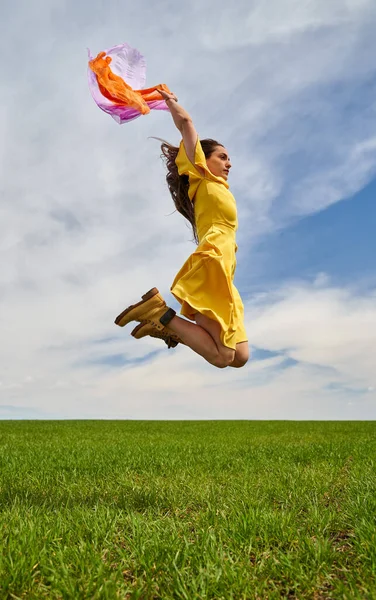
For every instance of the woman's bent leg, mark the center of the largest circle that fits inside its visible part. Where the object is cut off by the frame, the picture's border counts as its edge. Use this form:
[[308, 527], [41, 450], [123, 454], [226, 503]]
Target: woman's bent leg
[[241, 355], [204, 339]]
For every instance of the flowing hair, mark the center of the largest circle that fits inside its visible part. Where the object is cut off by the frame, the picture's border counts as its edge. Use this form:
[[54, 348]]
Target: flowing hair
[[178, 185]]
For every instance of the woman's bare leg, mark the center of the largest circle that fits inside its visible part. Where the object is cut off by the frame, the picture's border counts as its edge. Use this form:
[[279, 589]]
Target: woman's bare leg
[[204, 339], [241, 355], [202, 342]]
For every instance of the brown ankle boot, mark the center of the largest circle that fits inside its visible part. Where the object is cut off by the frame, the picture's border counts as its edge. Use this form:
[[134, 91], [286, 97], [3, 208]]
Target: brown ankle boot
[[144, 329], [151, 309]]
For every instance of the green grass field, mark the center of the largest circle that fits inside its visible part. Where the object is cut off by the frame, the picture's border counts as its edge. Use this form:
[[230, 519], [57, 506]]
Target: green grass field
[[188, 510]]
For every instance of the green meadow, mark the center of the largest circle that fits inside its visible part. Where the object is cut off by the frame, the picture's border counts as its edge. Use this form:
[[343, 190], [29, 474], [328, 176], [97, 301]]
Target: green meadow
[[188, 510]]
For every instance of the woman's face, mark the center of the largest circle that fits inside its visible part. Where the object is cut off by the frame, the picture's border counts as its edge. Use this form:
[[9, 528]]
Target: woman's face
[[219, 162]]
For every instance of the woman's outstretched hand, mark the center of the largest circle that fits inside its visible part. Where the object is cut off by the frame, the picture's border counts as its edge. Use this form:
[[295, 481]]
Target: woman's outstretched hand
[[166, 96]]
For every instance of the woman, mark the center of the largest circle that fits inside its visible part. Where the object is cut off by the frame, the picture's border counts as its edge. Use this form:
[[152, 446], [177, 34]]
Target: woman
[[197, 180]]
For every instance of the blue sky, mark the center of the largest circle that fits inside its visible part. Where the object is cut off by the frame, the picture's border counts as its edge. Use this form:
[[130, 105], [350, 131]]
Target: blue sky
[[86, 221], [338, 241]]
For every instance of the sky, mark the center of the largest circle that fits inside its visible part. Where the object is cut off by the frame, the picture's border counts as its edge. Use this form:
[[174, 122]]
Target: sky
[[87, 224]]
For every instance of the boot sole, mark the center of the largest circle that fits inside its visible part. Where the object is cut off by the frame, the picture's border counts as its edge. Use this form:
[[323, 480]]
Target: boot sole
[[122, 320]]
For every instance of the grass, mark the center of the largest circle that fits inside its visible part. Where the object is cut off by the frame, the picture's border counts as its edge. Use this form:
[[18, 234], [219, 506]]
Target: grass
[[187, 510]]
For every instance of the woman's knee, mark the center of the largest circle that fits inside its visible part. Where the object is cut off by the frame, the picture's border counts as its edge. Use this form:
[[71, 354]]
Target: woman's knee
[[238, 363], [241, 355], [224, 358]]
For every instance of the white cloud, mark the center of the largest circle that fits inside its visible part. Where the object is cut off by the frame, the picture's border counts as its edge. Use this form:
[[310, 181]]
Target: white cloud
[[258, 23], [323, 327]]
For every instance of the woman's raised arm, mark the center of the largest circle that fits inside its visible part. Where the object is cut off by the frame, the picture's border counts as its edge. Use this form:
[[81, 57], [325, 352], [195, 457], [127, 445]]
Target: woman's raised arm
[[183, 123]]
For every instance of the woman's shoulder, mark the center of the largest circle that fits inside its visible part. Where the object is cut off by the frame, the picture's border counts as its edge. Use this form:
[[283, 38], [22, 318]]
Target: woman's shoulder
[[198, 168], [186, 166]]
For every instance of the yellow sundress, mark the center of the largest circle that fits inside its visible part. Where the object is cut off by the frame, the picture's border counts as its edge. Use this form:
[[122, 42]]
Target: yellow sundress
[[204, 284]]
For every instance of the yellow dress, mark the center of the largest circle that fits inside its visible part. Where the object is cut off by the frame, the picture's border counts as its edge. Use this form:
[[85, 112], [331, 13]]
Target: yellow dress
[[204, 284]]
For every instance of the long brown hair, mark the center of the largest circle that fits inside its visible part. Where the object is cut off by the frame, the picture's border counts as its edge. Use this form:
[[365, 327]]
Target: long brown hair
[[179, 184]]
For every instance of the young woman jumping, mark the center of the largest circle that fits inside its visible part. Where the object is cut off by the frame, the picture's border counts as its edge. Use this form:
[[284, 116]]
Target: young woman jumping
[[197, 174]]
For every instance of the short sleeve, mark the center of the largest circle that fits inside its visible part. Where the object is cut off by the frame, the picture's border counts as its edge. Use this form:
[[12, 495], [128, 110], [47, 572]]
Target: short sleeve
[[197, 171], [185, 167]]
